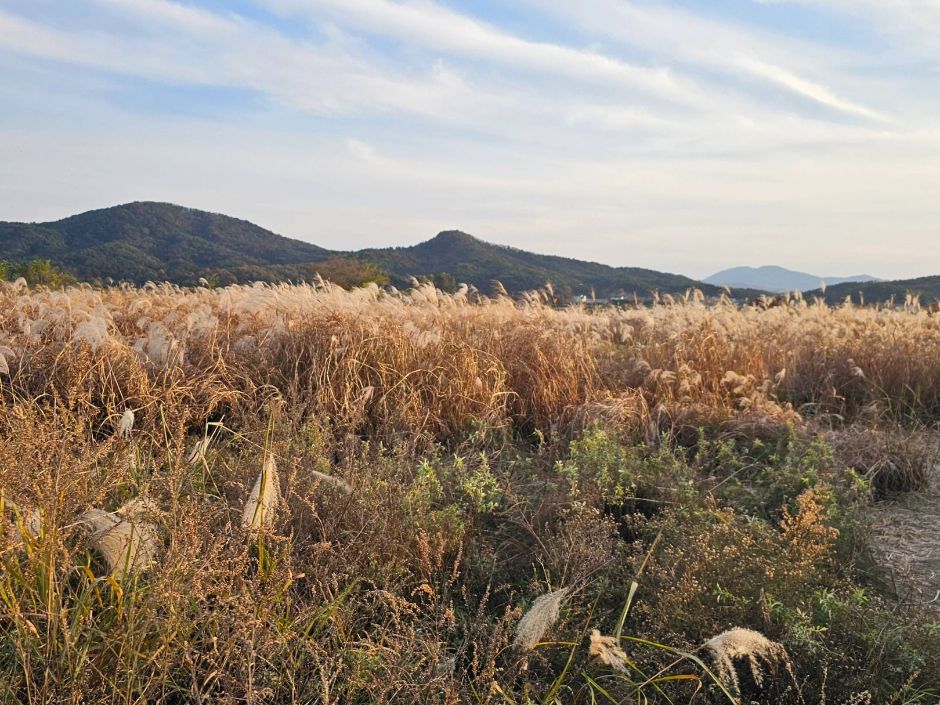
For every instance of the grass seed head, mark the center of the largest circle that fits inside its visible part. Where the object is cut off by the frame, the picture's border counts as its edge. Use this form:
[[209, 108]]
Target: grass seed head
[[605, 650], [731, 648], [126, 424], [25, 524], [542, 616], [126, 539], [198, 450], [261, 507], [332, 481]]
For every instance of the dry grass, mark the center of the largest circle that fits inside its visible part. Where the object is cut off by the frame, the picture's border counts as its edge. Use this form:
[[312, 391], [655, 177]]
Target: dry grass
[[428, 463], [425, 362], [892, 460]]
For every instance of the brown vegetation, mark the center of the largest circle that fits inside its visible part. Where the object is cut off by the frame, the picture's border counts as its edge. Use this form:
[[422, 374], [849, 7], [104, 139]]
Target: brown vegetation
[[373, 496]]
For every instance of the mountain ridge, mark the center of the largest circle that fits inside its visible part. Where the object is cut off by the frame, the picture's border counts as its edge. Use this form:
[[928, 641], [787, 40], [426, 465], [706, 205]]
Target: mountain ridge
[[147, 240], [926, 288], [151, 240], [778, 279]]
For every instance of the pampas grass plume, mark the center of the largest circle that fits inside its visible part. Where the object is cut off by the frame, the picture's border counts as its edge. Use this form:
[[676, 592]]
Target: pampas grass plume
[[735, 645], [126, 425], [5, 352], [126, 539], [541, 617], [198, 450], [336, 482], [25, 523], [605, 650], [261, 507]]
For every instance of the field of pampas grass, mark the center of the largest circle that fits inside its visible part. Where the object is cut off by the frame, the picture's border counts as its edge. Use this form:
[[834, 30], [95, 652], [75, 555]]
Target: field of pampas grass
[[300, 494]]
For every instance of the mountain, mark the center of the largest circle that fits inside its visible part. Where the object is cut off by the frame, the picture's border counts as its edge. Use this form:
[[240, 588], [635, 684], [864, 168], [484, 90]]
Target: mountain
[[160, 241], [927, 288], [777, 279], [155, 241], [476, 262]]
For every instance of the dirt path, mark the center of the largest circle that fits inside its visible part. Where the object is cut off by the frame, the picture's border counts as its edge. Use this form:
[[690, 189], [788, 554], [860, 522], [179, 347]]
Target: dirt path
[[907, 542]]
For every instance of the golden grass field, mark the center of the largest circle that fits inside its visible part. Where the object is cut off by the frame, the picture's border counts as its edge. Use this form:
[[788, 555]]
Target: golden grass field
[[301, 494]]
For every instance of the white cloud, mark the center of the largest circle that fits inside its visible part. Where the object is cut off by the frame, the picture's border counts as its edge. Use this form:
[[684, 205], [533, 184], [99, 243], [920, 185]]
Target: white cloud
[[437, 28], [204, 48], [808, 89], [362, 150], [176, 14], [677, 35]]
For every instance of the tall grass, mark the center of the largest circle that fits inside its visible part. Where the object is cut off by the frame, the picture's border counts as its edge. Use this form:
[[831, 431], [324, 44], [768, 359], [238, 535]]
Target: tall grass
[[428, 363], [438, 462]]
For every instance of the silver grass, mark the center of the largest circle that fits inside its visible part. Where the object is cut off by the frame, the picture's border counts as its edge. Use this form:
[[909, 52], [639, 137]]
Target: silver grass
[[605, 650], [32, 523], [126, 424], [336, 482], [261, 507], [139, 508], [128, 461], [26, 524], [5, 352], [198, 451], [126, 539], [745, 645], [541, 617]]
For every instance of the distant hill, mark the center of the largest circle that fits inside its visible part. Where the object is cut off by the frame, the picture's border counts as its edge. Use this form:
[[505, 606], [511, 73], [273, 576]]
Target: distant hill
[[152, 241], [160, 241], [777, 279], [928, 288], [476, 262]]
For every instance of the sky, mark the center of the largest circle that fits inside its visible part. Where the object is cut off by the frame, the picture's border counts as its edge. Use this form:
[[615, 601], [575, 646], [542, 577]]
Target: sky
[[680, 135]]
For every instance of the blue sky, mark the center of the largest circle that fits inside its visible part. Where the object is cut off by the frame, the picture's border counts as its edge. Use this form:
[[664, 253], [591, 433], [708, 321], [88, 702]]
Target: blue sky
[[681, 135]]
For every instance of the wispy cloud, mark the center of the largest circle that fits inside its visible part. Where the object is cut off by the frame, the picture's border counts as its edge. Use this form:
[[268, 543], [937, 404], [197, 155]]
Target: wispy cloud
[[676, 34], [438, 28], [807, 89], [187, 17], [200, 47]]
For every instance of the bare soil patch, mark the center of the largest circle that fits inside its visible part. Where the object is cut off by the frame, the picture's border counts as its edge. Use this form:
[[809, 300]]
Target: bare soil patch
[[907, 542]]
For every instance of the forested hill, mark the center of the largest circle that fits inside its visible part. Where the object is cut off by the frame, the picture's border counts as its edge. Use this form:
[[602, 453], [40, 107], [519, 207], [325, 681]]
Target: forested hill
[[144, 241], [927, 288], [468, 259], [152, 241]]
